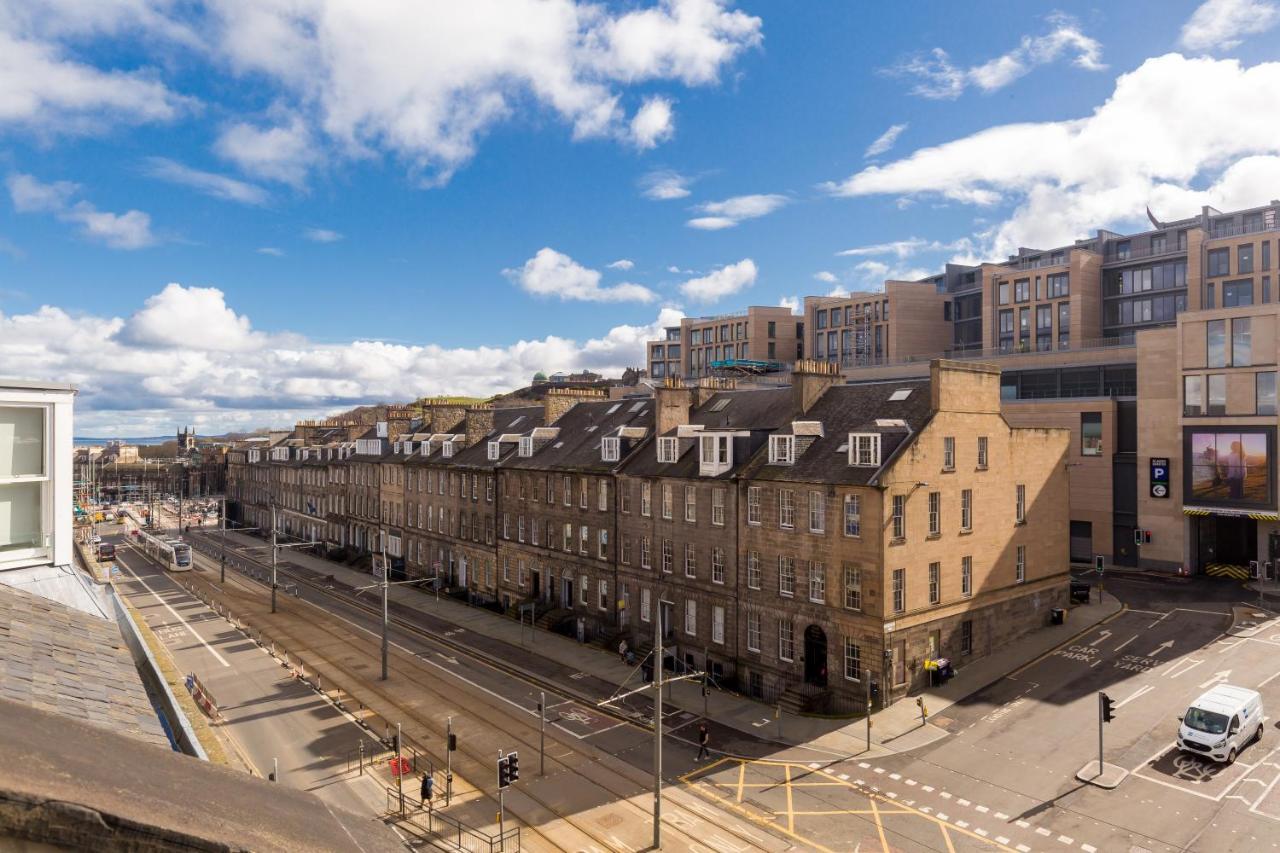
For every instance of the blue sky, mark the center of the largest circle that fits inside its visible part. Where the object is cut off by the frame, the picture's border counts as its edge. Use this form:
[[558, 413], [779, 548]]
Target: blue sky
[[231, 215]]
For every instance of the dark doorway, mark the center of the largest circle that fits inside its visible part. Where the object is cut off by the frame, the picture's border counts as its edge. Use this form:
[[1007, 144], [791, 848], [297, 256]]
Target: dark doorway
[[537, 584], [566, 593], [815, 656], [1123, 551], [1225, 540]]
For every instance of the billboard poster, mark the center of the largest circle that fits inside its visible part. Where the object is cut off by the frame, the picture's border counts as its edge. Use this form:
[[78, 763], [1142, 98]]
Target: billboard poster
[[1229, 466]]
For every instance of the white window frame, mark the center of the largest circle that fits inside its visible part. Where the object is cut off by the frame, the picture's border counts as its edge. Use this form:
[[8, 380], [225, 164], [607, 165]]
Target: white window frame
[[526, 446], [645, 602], [966, 510], [717, 507], [782, 449], [494, 450], [786, 509], [786, 640], [668, 449], [667, 501], [935, 583], [864, 449], [1020, 567], [717, 624], [786, 576], [935, 513], [983, 451], [966, 577], [691, 504], [610, 449], [817, 582], [852, 587], [1020, 504], [753, 570], [691, 617], [753, 631], [753, 505], [852, 654], [646, 498], [817, 511], [717, 564], [948, 453], [899, 594], [853, 515], [690, 560]]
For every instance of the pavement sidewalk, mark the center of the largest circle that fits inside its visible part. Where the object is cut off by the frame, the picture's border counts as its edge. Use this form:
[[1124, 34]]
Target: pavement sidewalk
[[894, 729]]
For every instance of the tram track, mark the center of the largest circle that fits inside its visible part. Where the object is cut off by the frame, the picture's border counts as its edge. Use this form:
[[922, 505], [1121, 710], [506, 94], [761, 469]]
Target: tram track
[[508, 722]]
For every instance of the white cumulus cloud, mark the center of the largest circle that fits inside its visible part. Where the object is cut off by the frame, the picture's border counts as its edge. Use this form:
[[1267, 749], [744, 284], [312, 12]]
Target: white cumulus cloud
[[729, 212], [885, 141], [664, 185], [281, 152], [552, 273], [936, 76], [209, 183], [653, 123], [128, 230], [621, 264], [720, 283], [1066, 178], [1223, 24], [826, 277], [186, 356]]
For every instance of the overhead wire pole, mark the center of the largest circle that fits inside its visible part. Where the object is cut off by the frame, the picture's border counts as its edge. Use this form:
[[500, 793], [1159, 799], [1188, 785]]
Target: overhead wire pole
[[386, 577], [275, 550], [657, 725]]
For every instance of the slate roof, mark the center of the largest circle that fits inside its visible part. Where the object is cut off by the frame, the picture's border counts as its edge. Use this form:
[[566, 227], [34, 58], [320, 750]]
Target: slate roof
[[757, 411], [522, 419], [68, 662], [844, 409], [577, 446]]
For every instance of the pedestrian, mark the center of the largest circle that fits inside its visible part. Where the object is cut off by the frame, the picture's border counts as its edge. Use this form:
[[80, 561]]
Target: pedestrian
[[704, 738], [428, 784], [622, 650]]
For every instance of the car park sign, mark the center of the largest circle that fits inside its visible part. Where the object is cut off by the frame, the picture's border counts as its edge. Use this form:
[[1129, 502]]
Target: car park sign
[[1159, 476]]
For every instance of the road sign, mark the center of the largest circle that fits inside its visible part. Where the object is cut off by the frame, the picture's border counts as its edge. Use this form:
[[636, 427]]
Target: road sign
[[1159, 476]]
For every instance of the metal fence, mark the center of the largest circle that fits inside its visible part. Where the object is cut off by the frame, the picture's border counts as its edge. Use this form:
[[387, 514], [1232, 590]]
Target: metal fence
[[455, 834]]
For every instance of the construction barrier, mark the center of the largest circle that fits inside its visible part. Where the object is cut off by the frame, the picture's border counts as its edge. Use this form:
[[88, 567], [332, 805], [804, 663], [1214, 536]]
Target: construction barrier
[[203, 699]]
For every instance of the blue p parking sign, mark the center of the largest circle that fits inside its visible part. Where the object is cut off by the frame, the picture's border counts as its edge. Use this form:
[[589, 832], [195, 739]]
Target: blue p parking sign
[[1159, 476]]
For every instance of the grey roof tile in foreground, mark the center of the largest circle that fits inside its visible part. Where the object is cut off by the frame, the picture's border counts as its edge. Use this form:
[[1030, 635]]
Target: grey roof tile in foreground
[[57, 657], [72, 784]]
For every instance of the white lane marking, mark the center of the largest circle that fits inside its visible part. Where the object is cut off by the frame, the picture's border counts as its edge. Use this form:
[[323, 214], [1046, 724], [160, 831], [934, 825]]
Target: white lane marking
[[942, 816], [175, 613], [1167, 644], [1040, 830], [1182, 667], [1001, 816], [1104, 634], [864, 765], [1146, 688], [963, 824], [981, 831], [1126, 642], [1022, 848], [911, 782], [1221, 675], [895, 776], [928, 788], [1022, 824], [1269, 678], [982, 809], [813, 765], [843, 777], [945, 795], [963, 801], [1088, 848], [879, 769], [1066, 840], [1000, 839]]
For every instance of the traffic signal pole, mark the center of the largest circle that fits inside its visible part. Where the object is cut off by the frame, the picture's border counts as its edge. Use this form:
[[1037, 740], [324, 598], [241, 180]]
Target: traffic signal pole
[[1101, 699]]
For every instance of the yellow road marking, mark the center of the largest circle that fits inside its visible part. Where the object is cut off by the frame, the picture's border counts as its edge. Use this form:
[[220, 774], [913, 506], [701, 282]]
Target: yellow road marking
[[742, 777], [946, 836], [884, 842], [791, 814]]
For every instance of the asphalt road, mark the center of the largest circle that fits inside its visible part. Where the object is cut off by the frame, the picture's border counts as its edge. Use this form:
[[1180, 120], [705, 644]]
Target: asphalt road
[[269, 714], [1005, 768]]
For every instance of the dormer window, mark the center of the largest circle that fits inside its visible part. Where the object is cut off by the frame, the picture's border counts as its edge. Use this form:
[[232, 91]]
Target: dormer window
[[610, 449], [864, 449], [426, 448], [446, 450], [715, 454], [408, 448], [397, 446], [494, 449], [526, 445], [782, 449], [668, 449]]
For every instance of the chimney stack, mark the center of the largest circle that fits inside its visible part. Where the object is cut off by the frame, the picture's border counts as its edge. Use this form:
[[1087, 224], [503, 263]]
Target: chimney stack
[[560, 400], [446, 416], [672, 404], [479, 420], [809, 380], [964, 386], [709, 386]]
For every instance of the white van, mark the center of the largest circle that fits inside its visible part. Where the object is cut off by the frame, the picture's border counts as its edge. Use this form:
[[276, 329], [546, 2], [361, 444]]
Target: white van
[[1221, 722]]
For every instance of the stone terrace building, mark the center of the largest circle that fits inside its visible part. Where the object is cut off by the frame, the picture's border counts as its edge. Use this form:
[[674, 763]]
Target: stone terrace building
[[557, 521], [677, 522], [894, 523], [788, 539], [452, 500]]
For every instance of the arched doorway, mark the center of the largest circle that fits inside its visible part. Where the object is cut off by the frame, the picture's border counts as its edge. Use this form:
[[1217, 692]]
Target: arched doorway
[[815, 656]]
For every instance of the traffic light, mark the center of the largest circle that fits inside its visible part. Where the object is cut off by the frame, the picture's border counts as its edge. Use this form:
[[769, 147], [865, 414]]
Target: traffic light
[[875, 690], [1108, 707], [513, 766], [504, 774]]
